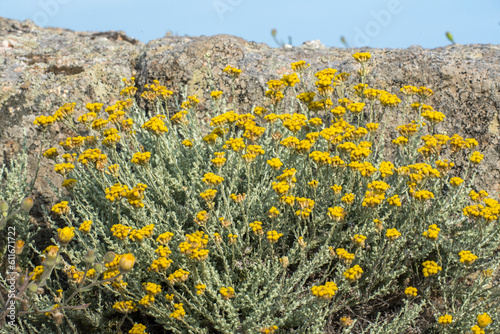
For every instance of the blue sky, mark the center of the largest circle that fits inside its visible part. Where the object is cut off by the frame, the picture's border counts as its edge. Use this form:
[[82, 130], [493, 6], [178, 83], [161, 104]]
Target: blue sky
[[374, 23]]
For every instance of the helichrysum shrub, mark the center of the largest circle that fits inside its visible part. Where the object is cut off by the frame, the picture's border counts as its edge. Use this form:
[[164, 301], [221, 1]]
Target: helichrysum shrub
[[279, 218]]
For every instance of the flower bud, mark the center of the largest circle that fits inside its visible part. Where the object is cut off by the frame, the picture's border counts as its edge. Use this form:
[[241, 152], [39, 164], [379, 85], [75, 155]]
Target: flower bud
[[98, 267], [33, 287], [109, 257], [90, 256], [19, 246], [26, 204], [126, 263]]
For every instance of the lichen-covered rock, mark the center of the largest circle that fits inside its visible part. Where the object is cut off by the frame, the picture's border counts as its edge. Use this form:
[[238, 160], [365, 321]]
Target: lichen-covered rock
[[465, 79], [41, 69]]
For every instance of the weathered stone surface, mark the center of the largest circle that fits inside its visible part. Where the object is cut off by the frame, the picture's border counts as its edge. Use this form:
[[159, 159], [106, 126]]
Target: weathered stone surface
[[465, 79], [43, 68]]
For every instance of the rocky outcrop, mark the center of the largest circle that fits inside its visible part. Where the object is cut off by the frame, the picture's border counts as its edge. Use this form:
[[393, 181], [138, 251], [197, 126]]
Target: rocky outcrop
[[43, 68]]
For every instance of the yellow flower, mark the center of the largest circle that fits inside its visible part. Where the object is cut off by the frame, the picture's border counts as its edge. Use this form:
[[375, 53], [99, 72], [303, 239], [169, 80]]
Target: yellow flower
[[159, 265], [445, 319], [411, 291], [477, 330], [180, 275], [430, 268], [353, 274], [151, 288], [65, 235], [299, 66], [273, 212], [44, 121], [212, 180], [85, 226], [476, 157], [216, 94], [125, 306], [483, 320], [336, 213], [257, 227], [362, 57], [313, 184], [227, 293], [200, 289], [467, 258], [208, 195], [232, 71], [345, 255], [37, 273], [336, 189], [394, 201], [141, 158], [156, 125], [268, 330], [187, 143], [359, 240], [456, 181], [326, 291], [423, 195], [179, 312], [432, 233], [348, 198], [392, 234], [61, 208], [273, 236], [147, 300], [126, 262], [275, 163]]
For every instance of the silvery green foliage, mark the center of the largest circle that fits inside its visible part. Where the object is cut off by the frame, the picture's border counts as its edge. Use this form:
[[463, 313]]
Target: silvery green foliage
[[266, 292]]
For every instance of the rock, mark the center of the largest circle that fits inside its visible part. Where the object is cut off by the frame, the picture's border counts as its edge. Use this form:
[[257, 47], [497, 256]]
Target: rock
[[42, 68]]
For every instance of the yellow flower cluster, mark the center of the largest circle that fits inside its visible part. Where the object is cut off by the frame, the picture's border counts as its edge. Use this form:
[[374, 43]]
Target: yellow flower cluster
[[65, 111], [140, 234], [156, 125], [394, 201], [257, 227], [359, 240], [141, 158], [326, 291], [273, 236], [345, 255], [208, 195], [336, 213], [195, 245], [138, 329], [362, 57], [299, 66], [125, 306], [483, 320], [353, 274], [467, 258], [236, 144], [268, 330], [411, 291], [63, 168], [232, 71], [44, 121], [151, 288], [445, 320], [392, 234], [432, 233], [94, 156], [430, 268], [120, 231], [227, 293], [61, 208], [212, 180], [179, 311], [180, 275]]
